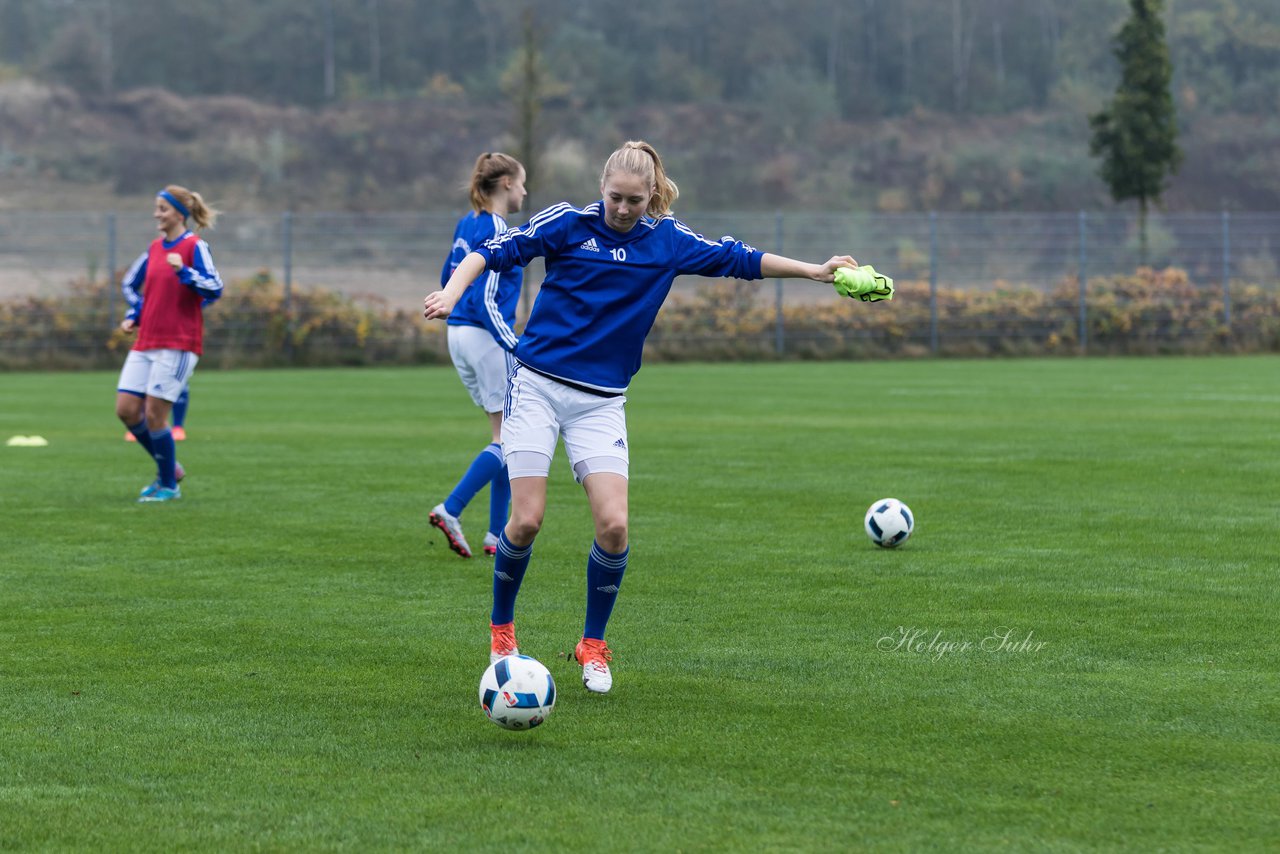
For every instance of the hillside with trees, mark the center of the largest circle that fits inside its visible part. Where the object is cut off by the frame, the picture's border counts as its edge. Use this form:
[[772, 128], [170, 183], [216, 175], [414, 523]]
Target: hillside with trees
[[803, 104]]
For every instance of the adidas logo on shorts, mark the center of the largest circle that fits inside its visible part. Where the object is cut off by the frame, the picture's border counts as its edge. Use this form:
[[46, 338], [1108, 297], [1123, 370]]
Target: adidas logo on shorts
[[591, 245], [620, 444]]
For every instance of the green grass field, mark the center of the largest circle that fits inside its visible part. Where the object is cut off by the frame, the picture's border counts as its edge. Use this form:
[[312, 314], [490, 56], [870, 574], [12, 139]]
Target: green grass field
[[287, 658]]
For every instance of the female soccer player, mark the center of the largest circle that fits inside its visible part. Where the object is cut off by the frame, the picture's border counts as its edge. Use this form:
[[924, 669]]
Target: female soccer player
[[166, 288], [609, 266], [481, 339]]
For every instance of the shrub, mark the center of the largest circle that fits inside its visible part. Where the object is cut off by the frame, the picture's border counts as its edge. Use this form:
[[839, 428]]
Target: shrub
[[254, 325], [1148, 311], [251, 326]]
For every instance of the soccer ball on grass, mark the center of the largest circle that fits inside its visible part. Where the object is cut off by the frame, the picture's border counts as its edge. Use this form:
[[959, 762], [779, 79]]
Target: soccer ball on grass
[[889, 522], [517, 692]]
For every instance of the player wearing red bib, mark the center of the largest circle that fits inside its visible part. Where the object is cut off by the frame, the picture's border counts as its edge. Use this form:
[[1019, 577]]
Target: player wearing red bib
[[167, 288]]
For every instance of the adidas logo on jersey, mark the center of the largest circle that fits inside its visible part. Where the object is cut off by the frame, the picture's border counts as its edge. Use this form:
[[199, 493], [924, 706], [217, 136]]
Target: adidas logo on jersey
[[591, 245], [620, 444]]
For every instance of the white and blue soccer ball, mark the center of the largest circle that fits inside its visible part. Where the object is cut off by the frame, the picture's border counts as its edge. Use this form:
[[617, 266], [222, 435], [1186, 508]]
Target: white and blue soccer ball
[[889, 522], [517, 692]]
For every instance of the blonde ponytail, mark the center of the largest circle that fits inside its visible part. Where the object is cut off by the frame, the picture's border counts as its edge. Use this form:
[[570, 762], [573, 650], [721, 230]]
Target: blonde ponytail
[[490, 168]]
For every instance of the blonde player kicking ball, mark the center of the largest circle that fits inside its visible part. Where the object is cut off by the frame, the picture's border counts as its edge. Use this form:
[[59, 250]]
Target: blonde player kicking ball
[[166, 288], [481, 338], [609, 266]]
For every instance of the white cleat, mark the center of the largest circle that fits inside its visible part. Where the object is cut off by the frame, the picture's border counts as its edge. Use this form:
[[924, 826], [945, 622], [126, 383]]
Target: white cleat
[[451, 527], [594, 656]]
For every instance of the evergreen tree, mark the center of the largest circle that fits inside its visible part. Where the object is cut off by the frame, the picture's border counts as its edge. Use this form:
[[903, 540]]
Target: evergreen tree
[[1136, 134]]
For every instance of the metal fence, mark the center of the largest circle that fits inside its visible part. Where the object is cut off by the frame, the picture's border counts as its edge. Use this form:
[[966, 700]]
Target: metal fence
[[393, 259]]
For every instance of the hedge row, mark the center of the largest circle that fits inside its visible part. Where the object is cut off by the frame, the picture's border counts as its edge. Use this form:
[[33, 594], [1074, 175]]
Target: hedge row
[[253, 325], [1150, 311]]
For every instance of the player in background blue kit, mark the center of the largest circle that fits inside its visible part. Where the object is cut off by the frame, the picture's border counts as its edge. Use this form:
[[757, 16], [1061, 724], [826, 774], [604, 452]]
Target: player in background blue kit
[[481, 338], [609, 266]]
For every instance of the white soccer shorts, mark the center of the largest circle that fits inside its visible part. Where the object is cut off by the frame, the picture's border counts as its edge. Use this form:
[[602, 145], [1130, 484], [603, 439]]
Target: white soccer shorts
[[157, 373], [540, 411], [483, 366]]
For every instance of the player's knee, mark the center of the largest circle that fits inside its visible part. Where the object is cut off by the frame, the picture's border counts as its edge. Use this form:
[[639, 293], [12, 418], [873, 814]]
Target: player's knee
[[523, 526], [128, 412], [611, 532]]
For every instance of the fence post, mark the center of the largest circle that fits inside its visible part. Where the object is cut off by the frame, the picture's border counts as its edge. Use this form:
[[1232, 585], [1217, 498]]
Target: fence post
[[779, 336], [933, 282], [1084, 284], [286, 226], [1226, 270], [112, 290]]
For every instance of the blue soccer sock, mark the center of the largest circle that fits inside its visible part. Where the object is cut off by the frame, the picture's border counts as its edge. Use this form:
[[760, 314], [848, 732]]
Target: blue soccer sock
[[180, 408], [509, 566], [487, 464], [143, 436], [165, 453], [499, 501], [604, 577]]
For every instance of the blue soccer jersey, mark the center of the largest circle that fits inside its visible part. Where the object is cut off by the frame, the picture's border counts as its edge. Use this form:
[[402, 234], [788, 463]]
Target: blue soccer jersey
[[603, 288], [491, 302]]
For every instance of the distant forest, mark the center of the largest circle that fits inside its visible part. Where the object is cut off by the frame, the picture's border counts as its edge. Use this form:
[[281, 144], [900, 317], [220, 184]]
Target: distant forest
[[962, 104]]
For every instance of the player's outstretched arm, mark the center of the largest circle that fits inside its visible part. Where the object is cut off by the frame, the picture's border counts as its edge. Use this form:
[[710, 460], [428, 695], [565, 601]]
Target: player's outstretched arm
[[439, 304], [780, 267]]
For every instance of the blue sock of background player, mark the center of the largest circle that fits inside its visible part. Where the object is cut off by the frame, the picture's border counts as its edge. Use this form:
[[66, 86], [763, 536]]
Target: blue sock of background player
[[499, 502], [481, 473]]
